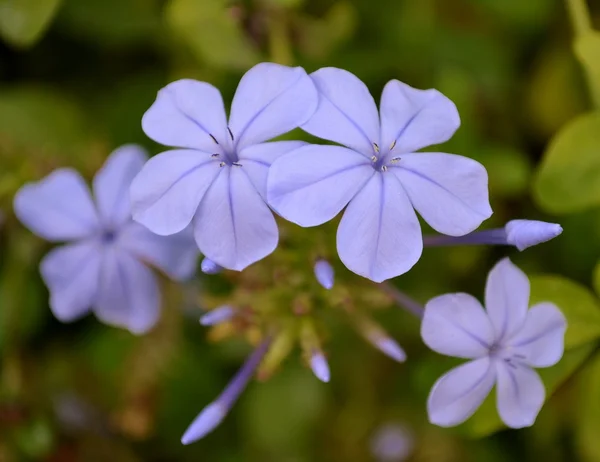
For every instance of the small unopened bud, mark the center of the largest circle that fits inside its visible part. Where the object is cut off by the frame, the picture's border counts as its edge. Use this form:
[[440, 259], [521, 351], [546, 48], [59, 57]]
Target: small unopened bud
[[389, 347], [526, 233], [209, 419], [217, 316], [319, 366], [324, 273], [210, 267]]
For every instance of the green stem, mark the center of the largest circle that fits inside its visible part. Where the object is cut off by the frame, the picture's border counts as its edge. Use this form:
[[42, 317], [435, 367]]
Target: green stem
[[580, 16]]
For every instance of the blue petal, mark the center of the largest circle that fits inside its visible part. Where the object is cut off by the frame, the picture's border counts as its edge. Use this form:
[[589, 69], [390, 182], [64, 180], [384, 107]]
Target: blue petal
[[312, 184], [412, 119], [71, 273], [257, 159], [166, 193], [112, 182], [176, 254], [188, 114], [526, 233], [270, 100], [233, 226], [379, 236], [128, 294], [57, 208], [449, 191], [346, 113]]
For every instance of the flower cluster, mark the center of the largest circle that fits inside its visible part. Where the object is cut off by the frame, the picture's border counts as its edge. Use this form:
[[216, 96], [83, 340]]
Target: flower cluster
[[226, 177]]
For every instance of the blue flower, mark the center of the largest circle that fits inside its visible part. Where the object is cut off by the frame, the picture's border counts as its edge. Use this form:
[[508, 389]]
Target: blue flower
[[102, 268], [378, 175], [504, 342], [218, 179]]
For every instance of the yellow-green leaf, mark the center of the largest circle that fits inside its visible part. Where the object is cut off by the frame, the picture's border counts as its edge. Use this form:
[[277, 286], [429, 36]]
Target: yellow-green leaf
[[22, 22], [569, 177], [588, 425], [587, 49]]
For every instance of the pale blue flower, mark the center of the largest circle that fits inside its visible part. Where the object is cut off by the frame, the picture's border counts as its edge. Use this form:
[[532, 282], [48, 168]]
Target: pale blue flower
[[218, 177], [103, 267], [504, 342], [378, 175]]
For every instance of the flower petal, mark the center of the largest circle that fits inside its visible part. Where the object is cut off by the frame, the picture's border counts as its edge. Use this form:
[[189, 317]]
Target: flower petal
[[71, 273], [457, 325], [57, 208], [449, 191], [506, 298], [257, 159], [412, 119], [234, 227], [176, 255], [541, 339], [457, 394], [312, 184], [166, 193], [346, 113], [379, 236], [128, 296], [520, 394], [188, 114], [270, 100], [112, 182]]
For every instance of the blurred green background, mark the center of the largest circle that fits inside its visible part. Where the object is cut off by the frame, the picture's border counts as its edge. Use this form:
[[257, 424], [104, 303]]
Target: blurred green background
[[76, 77]]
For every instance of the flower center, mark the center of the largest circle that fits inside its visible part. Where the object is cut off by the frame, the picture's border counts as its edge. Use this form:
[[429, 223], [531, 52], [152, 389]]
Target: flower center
[[227, 154], [109, 236], [506, 355], [382, 161]]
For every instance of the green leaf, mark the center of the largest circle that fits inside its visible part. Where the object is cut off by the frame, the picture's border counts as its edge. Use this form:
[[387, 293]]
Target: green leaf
[[596, 278], [211, 31], [23, 22], [588, 424], [587, 49], [569, 177], [486, 419], [578, 304]]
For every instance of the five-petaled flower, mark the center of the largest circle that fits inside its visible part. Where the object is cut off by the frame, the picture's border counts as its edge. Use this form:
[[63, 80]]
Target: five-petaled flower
[[378, 174], [102, 268], [218, 179], [505, 342]]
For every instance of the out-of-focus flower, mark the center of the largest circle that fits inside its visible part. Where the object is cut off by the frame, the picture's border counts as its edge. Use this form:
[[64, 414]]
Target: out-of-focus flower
[[103, 269], [392, 443], [320, 366], [217, 316], [378, 174], [218, 179], [213, 414], [324, 273], [210, 267], [520, 233], [505, 342]]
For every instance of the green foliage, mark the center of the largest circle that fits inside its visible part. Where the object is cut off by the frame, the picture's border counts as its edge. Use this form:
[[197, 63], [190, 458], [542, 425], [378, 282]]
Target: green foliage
[[588, 421], [23, 22]]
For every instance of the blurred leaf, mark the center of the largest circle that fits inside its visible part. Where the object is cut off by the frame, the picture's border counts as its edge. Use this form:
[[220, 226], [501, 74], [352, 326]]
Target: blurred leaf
[[211, 31], [36, 439], [529, 15], [509, 170], [588, 425], [486, 419], [596, 278], [23, 22], [569, 177], [578, 304], [587, 49]]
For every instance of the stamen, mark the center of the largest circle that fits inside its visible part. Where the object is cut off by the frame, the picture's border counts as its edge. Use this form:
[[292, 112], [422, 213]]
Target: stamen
[[213, 138], [384, 168], [222, 164], [236, 164], [230, 134], [376, 147], [519, 356], [215, 155], [395, 160], [393, 145], [373, 158]]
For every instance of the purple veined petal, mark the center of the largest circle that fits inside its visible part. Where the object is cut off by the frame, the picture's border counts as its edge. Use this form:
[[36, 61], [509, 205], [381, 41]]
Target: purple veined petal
[[188, 114], [312, 184], [526, 233], [234, 227], [347, 113], [457, 394], [449, 191], [257, 159], [128, 295], [506, 298], [412, 119], [58, 208], [176, 255], [270, 100], [457, 325], [379, 236], [166, 193], [111, 184], [324, 273], [71, 273], [540, 342], [520, 394], [210, 267]]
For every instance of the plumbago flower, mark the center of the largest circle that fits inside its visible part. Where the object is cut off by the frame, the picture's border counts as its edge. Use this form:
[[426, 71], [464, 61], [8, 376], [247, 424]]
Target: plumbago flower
[[378, 174], [102, 268], [504, 342], [218, 179]]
